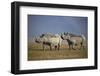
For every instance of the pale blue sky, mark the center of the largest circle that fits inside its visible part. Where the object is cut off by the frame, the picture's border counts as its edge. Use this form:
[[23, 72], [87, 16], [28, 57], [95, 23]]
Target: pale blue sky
[[39, 24]]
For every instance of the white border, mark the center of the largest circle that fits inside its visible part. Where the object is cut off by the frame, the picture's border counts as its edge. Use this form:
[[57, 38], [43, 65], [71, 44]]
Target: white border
[[26, 65]]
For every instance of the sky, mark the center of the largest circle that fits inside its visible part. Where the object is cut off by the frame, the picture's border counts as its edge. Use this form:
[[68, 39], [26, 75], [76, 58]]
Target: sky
[[39, 24]]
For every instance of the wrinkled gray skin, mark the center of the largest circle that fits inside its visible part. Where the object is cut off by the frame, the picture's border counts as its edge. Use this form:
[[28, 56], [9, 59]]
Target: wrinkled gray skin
[[72, 42], [50, 40]]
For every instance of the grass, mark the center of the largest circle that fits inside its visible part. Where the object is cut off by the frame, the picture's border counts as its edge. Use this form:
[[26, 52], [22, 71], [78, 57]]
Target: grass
[[35, 52]]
